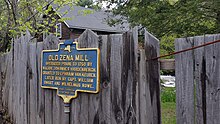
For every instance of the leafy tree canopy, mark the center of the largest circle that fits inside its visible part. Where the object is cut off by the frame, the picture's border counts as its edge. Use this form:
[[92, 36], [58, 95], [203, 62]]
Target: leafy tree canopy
[[16, 16], [181, 17], [168, 19]]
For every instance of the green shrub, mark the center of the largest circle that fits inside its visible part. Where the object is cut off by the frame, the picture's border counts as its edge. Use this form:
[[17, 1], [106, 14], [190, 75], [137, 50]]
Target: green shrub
[[168, 94]]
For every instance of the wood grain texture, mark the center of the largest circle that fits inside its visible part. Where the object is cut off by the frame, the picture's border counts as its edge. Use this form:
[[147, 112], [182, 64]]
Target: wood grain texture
[[85, 108], [212, 80], [199, 64], [129, 78], [153, 75], [3, 67], [122, 99], [136, 75], [7, 89], [167, 64], [117, 113], [50, 43], [204, 75], [16, 82], [32, 70], [40, 91], [24, 59], [146, 116], [105, 90], [184, 82]]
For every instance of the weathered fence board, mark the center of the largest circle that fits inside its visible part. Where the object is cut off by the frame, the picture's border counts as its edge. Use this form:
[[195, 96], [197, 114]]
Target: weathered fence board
[[167, 64], [119, 100], [3, 67], [153, 75], [212, 80], [146, 116], [32, 84], [136, 72], [117, 113], [199, 81], [184, 82], [198, 94], [105, 96], [41, 92]]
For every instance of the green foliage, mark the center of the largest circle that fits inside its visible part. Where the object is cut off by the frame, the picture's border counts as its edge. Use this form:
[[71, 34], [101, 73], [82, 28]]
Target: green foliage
[[18, 16], [167, 45], [169, 19], [168, 113], [168, 94]]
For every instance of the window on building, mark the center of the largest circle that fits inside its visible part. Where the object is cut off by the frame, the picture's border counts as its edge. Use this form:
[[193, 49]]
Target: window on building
[[58, 30]]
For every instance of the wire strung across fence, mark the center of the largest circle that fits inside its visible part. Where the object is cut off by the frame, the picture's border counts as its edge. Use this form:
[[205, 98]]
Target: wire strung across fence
[[185, 50]]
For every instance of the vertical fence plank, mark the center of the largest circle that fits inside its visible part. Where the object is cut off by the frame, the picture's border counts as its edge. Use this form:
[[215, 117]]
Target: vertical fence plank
[[15, 90], [146, 116], [58, 112], [5, 73], [129, 78], [105, 91], [184, 82], [3, 70], [212, 56], [153, 74], [3, 67], [41, 92], [7, 89], [50, 43], [136, 75], [86, 103], [117, 113], [24, 78], [93, 42], [32, 70], [199, 63]]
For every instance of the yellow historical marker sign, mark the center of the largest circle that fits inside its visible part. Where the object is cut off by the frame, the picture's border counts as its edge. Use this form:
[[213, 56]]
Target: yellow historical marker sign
[[70, 69]]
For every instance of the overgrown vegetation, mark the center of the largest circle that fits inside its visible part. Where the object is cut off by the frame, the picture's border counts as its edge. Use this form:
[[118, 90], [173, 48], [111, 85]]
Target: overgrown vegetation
[[168, 105]]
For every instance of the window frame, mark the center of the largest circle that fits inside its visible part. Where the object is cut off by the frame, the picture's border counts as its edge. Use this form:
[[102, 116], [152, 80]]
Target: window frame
[[59, 25]]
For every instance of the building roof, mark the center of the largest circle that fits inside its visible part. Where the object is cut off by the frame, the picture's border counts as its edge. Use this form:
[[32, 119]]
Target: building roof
[[95, 20]]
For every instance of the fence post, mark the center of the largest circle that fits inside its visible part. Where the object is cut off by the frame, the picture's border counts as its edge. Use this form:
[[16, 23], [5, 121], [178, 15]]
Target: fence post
[[153, 75]]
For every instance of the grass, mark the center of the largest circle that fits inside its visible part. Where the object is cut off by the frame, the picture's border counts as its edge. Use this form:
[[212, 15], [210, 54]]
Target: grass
[[168, 105], [168, 112], [168, 94]]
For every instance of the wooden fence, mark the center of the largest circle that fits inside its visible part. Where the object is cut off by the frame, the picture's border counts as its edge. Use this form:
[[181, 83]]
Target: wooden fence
[[129, 90], [198, 81]]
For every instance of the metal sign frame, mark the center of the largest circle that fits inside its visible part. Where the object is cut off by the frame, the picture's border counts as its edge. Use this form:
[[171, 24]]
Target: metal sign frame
[[67, 98]]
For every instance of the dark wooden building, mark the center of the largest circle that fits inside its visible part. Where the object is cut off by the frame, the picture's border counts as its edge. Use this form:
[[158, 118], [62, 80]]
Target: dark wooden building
[[80, 18]]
